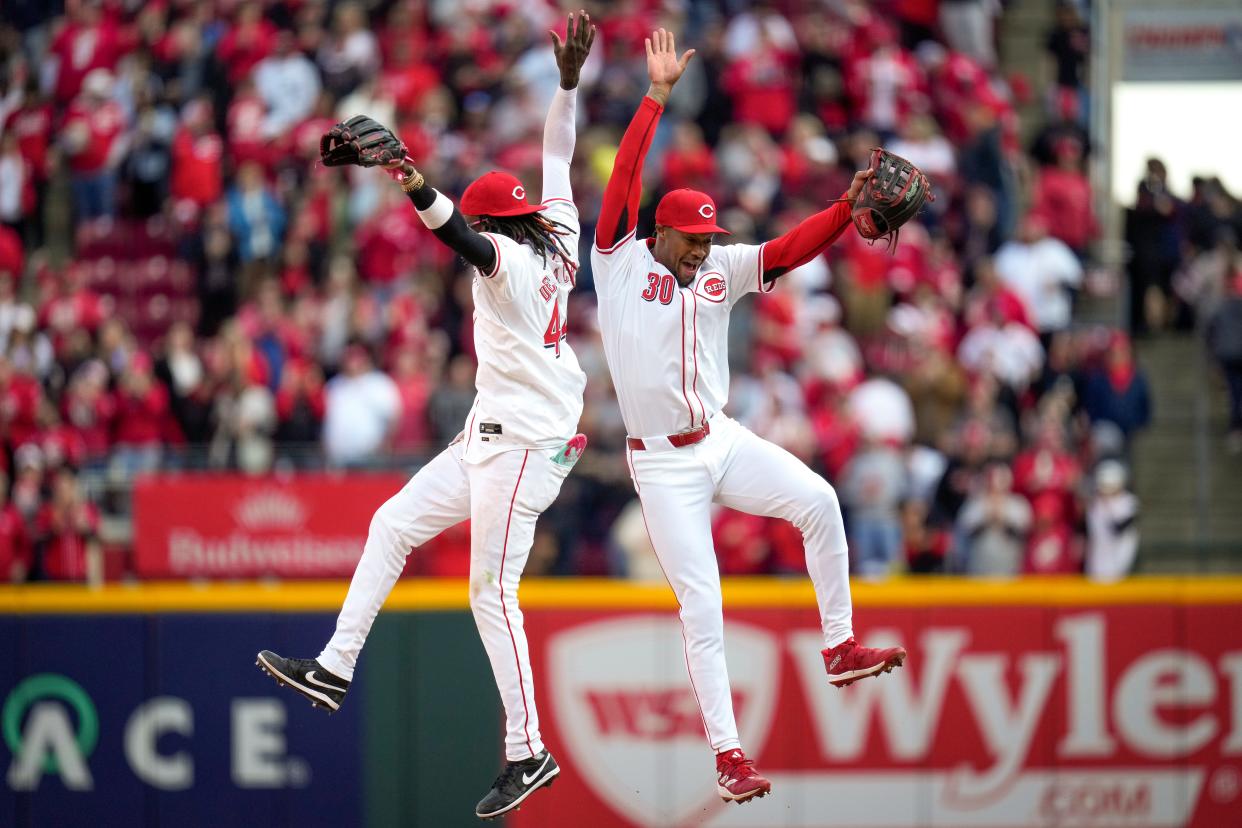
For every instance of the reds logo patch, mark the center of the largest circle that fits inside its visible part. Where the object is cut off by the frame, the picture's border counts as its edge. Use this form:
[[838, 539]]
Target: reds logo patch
[[519, 192], [713, 288], [707, 211]]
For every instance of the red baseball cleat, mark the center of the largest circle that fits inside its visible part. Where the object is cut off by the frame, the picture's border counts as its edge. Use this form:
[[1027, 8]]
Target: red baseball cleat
[[738, 781], [848, 662]]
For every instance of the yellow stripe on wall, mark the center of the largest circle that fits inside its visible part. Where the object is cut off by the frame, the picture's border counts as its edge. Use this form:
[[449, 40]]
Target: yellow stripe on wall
[[445, 594]]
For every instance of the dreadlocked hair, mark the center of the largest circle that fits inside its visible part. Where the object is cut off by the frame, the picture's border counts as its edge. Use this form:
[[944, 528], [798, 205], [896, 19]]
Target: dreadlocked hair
[[540, 232]]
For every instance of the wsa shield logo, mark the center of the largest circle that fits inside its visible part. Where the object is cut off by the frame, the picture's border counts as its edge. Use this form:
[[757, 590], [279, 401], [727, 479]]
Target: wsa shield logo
[[625, 708]]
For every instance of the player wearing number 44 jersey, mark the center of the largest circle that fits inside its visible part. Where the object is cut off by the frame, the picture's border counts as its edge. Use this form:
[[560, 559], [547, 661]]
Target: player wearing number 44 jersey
[[518, 444], [664, 306]]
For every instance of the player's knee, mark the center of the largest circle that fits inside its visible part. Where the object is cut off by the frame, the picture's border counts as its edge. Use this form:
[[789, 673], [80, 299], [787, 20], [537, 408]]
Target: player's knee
[[820, 504]]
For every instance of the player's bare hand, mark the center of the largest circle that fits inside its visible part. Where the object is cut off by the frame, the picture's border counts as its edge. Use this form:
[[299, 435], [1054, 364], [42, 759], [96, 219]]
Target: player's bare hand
[[664, 68], [572, 52], [860, 178]]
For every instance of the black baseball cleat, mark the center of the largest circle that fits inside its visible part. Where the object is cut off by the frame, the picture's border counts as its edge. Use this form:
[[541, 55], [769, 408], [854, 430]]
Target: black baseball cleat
[[517, 781], [308, 677]]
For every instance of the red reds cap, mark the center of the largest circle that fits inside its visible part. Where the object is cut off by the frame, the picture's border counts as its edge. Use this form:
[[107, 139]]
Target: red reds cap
[[688, 211], [497, 194]]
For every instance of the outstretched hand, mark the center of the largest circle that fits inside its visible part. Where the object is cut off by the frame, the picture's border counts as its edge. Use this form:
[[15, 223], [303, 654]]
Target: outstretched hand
[[860, 178], [663, 66], [572, 52]]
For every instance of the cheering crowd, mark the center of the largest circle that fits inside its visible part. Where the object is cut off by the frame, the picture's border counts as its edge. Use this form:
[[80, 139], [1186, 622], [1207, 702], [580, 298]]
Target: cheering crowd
[[183, 286]]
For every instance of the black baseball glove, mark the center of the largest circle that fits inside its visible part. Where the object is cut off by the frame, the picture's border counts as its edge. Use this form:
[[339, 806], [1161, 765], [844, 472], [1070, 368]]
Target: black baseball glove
[[360, 141], [892, 196]]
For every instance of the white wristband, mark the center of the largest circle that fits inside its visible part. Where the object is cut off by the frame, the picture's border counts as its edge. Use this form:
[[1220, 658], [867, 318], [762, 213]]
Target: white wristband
[[440, 211]]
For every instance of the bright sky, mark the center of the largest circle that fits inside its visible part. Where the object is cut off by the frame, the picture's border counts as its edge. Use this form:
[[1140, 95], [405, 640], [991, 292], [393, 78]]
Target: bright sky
[[1196, 128]]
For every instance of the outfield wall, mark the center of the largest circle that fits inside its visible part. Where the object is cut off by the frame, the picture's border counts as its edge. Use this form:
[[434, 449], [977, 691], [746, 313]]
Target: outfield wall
[[1029, 703]]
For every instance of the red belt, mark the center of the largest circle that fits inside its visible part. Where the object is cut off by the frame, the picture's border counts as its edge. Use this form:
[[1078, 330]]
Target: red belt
[[678, 440]]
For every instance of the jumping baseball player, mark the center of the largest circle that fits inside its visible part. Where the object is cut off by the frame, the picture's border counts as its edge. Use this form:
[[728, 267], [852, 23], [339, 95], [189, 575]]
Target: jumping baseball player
[[518, 444], [664, 306]]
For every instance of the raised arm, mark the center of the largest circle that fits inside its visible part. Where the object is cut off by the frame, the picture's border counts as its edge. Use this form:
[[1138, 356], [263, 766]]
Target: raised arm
[[618, 216], [559, 131], [812, 235]]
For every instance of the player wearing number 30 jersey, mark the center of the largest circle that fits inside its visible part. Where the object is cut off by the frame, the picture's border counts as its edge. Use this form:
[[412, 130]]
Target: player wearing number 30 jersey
[[518, 443], [664, 306]]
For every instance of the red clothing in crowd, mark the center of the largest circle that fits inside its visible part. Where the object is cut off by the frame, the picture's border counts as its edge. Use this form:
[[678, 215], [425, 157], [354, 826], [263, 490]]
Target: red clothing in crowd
[[243, 47], [140, 420], [741, 542], [12, 253], [390, 244], [1052, 550], [197, 167], [406, 85], [91, 418], [105, 123], [762, 87], [80, 49], [32, 124], [693, 169], [14, 542], [19, 407], [62, 445], [84, 308], [245, 129], [67, 535], [1063, 197]]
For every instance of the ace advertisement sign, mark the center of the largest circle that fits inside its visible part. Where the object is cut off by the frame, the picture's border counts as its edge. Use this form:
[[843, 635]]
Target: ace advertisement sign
[[1003, 716]]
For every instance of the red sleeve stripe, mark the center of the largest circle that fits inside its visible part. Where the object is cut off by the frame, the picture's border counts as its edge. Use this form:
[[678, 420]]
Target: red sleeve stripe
[[496, 268], [558, 198], [623, 240], [767, 287]]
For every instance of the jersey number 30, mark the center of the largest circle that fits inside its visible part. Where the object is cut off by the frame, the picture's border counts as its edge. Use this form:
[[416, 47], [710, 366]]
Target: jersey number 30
[[556, 331], [661, 286]]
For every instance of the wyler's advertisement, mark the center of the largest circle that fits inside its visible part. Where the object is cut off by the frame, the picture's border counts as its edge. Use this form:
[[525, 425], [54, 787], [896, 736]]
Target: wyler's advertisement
[[1002, 716]]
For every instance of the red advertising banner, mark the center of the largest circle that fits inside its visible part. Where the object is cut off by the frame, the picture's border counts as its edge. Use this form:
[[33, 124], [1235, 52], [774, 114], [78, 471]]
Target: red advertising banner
[[1075, 717], [307, 526]]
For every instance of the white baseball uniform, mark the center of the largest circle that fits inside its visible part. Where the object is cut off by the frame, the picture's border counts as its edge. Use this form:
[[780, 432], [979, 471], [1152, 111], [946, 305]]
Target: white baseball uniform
[[667, 351], [508, 465]]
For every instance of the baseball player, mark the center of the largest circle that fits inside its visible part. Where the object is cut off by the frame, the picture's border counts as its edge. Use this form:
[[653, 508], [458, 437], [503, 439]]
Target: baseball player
[[518, 445], [664, 306]]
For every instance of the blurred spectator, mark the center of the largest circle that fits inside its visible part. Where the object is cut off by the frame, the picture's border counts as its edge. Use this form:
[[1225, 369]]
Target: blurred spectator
[[15, 554], [882, 408], [452, 399], [289, 85], [1153, 237], [362, 406], [1007, 351], [1224, 333], [67, 534], [968, 27], [926, 546], [197, 158], [17, 186], [1051, 548], [256, 218], [1063, 196], [1068, 43], [95, 141], [1112, 530], [994, 522], [89, 42], [142, 411], [351, 53], [871, 493], [1041, 269], [1117, 392]]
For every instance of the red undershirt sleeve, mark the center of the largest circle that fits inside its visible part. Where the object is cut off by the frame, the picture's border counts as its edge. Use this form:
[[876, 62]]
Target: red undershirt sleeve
[[804, 242], [618, 215]]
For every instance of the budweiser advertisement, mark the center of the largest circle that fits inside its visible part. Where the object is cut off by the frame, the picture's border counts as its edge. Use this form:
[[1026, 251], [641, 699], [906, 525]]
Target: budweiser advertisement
[[310, 526], [1117, 715]]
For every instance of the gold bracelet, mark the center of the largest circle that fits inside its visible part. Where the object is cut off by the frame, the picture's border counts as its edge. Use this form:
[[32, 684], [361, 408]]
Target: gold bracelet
[[412, 182]]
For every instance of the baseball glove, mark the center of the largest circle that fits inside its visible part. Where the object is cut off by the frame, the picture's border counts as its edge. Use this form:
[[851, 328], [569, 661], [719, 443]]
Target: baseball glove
[[360, 141], [890, 198]]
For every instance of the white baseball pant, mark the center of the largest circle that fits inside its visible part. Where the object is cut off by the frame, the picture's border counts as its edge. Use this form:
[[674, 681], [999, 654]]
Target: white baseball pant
[[737, 469], [502, 496]]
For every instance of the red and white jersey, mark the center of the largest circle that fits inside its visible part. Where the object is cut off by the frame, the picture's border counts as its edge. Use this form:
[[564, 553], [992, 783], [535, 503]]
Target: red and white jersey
[[668, 346], [529, 382]]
